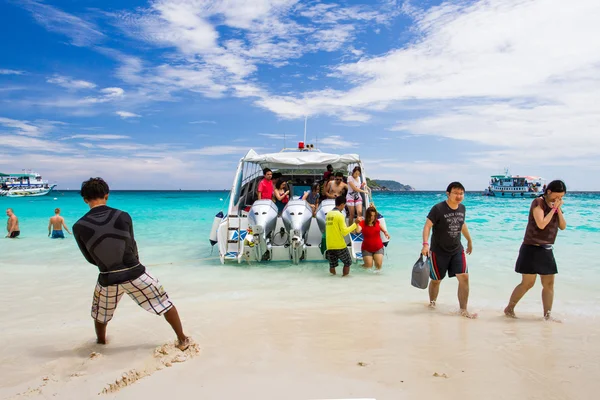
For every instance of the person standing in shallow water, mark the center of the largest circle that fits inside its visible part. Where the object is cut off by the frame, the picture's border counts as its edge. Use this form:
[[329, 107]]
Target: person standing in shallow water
[[105, 237], [447, 254], [12, 224], [56, 224], [536, 256]]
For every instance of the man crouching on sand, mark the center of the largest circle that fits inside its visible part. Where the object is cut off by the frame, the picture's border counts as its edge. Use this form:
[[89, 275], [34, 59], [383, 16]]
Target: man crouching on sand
[[105, 237]]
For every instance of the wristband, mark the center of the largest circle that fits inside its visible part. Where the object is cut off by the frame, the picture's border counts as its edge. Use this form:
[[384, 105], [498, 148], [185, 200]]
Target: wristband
[[555, 209], [425, 244]]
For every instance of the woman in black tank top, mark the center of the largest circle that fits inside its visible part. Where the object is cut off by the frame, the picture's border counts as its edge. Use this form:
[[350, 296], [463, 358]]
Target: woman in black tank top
[[536, 256]]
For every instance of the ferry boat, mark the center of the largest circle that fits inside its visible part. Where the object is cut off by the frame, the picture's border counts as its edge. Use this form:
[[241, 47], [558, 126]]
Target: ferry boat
[[250, 230], [515, 186], [25, 184]]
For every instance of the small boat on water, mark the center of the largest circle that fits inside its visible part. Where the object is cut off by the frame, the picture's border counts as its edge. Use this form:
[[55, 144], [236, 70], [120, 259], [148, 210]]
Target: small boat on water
[[251, 230], [24, 184], [514, 186]]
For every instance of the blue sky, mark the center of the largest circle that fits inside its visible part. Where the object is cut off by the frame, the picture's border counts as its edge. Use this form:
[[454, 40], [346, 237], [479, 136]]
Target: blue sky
[[169, 94]]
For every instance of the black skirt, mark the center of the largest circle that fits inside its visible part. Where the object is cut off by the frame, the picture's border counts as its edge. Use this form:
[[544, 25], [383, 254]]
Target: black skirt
[[536, 260]]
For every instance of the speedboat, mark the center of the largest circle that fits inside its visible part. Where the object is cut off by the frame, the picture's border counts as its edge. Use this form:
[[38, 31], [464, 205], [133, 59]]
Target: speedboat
[[507, 185], [253, 230]]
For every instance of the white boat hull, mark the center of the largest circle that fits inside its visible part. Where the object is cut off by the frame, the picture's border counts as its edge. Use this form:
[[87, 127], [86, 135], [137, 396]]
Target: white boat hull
[[27, 192], [511, 194]]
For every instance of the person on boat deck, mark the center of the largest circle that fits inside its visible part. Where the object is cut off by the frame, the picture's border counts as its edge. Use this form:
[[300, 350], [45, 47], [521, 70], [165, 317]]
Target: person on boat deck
[[337, 187], [265, 187], [324, 187], [12, 224], [335, 233], [56, 224], [353, 198], [328, 172], [535, 255], [372, 246], [447, 254], [312, 197], [105, 238], [281, 194]]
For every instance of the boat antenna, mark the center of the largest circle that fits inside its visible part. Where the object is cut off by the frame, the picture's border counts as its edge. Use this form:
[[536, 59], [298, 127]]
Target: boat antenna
[[284, 139], [305, 121]]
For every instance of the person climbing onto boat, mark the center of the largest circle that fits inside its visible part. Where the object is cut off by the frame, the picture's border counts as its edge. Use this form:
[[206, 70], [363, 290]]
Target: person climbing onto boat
[[12, 224], [535, 255], [372, 245], [447, 254], [335, 232], [105, 238], [353, 198], [312, 198], [281, 194], [265, 187], [56, 224]]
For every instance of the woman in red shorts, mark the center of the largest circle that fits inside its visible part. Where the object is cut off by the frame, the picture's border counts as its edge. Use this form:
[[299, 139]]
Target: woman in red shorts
[[372, 246]]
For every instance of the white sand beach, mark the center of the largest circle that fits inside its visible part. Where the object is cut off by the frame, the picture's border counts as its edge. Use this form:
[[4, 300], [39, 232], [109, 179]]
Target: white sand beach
[[288, 333]]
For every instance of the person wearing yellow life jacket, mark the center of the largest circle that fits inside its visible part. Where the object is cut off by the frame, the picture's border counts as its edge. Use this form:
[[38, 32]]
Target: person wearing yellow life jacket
[[335, 232]]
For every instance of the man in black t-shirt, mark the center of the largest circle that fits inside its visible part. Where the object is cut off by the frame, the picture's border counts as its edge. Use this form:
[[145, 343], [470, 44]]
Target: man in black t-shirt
[[105, 237], [447, 254]]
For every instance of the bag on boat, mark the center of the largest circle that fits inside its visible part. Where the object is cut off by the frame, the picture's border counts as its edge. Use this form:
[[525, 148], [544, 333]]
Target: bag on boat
[[420, 273]]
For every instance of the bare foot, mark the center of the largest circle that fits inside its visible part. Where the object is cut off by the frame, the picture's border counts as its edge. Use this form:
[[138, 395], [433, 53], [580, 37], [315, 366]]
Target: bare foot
[[509, 312], [364, 266], [549, 317], [432, 305], [183, 345], [101, 341], [346, 271], [466, 314], [332, 271]]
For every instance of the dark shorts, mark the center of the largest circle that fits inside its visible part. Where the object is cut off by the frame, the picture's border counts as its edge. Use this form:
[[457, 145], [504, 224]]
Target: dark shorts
[[14, 234], [58, 234], [342, 254], [453, 264], [366, 253], [536, 260]]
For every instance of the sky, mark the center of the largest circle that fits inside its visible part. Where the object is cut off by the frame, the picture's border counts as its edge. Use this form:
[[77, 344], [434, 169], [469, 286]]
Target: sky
[[170, 94]]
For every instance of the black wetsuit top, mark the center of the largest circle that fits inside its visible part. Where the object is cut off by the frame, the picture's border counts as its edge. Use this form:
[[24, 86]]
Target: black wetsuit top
[[105, 237]]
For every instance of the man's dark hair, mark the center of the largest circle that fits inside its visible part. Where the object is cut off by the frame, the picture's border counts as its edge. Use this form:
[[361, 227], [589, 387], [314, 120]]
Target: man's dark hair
[[556, 186], [265, 170], [277, 175], [339, 174], [329, 167], [94, 188], [340, 200], [455, 185]]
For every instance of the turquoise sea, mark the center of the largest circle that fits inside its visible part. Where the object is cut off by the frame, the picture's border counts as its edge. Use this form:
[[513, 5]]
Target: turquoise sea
[[172, 231]]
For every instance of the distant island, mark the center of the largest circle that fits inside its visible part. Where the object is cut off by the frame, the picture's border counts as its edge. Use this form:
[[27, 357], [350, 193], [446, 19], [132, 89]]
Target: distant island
[[381, 185]]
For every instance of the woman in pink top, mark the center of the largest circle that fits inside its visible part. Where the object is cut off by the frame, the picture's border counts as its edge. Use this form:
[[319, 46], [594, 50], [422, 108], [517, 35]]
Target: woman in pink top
[[353, 198]]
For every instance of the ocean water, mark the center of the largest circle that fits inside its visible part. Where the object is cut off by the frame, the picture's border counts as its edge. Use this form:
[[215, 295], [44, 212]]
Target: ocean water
[[172, 231]]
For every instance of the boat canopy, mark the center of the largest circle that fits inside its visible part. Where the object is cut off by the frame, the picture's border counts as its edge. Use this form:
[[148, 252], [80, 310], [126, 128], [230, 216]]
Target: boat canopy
[[301, 160]]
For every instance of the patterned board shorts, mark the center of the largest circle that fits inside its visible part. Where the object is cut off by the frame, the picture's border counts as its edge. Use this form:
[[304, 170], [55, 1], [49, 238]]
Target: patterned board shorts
[[342, 254], [146, 291]]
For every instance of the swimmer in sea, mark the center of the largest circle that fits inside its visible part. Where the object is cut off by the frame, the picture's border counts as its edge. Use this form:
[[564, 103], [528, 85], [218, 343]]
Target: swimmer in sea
[[105, 237]]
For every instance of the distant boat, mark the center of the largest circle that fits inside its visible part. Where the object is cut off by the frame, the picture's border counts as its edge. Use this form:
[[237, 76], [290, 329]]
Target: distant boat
[[24, 184], [514, 186]]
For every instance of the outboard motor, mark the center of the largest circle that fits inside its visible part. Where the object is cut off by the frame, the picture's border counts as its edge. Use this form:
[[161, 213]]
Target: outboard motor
[[324, 208], [296, 217], [262, 219]]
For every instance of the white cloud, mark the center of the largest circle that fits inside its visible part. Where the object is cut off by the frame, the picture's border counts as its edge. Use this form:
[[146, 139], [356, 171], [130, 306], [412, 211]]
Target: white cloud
[[203, 122], [69, 83], [218, 150], [336, 142], [277, 136], [98, 137], [25, 144], [10, 72], [81, 32], [127, 114], [22, 127]]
